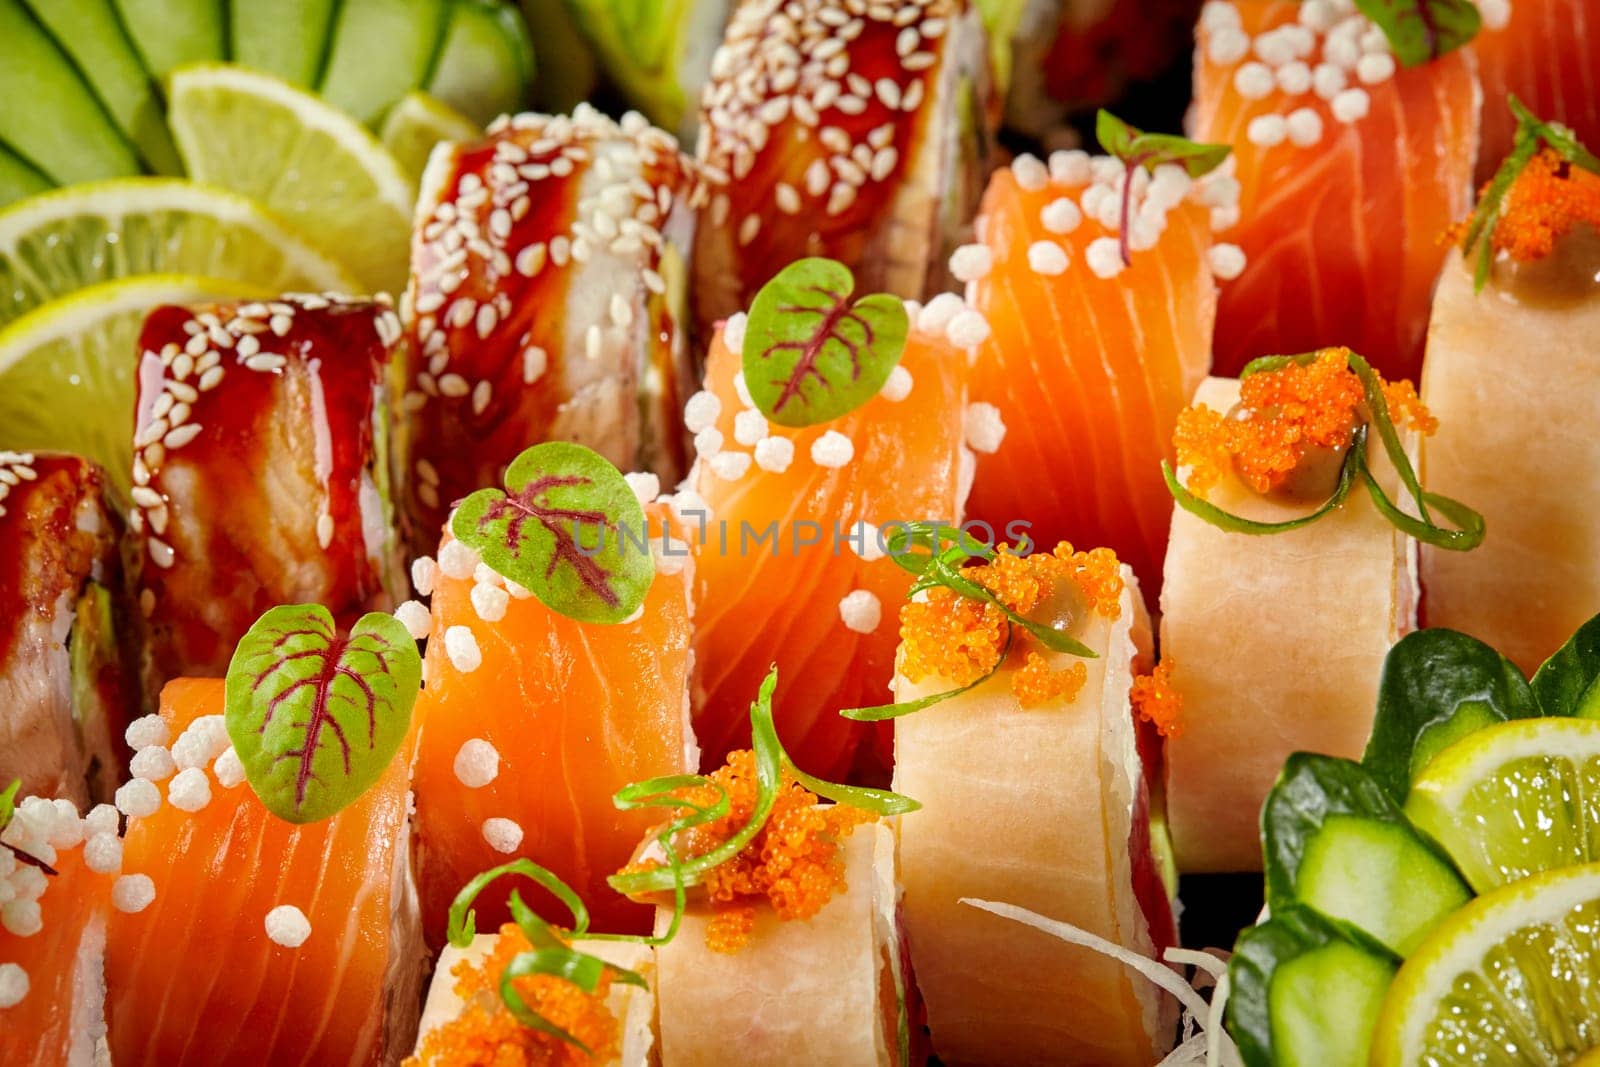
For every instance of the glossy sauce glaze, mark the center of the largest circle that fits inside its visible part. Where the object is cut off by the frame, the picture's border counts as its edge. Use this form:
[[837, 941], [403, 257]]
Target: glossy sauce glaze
[[1568, 276], [260, 471], [538, 306]]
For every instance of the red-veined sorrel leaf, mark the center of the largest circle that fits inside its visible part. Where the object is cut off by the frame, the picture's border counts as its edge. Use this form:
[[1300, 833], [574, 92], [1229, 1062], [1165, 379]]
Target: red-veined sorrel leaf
[[316, 717], [1420, 30], [1136, 148], [568, 528], [811, 353]]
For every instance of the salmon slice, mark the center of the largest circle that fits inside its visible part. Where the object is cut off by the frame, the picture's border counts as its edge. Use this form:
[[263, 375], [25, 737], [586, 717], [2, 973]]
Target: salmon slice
[[773, 565], [1088, 373], [61, 1017], [1341, 222], [565, 713], [1548, 54], [193, 977]]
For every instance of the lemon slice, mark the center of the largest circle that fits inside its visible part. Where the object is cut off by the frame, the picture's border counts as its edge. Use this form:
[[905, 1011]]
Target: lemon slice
[[1513, 977], [1514, 799], [67, 368], [303, 159], [417, 123], [53, 244]]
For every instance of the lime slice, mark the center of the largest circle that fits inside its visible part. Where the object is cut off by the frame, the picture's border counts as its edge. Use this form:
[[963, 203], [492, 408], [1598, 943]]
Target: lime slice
[[1514, 799], [67, 367], [417, 123], [1511, 978], [306, 161], [53, 244]]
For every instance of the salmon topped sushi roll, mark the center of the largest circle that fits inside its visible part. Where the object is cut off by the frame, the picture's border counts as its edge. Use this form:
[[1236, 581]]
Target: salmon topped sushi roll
[[1354, 154], [67, 680], [1098, 277], [1547, 54], [261, 471], [792, 502], [268, 844], [1070, 827], [857, 131], [55, 895], [532, 718], [540, 306]]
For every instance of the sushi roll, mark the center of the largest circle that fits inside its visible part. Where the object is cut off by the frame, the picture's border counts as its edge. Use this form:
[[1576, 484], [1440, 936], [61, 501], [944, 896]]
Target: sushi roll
[[465, 1017], [260, 472], [789, 522], [1099, 336], [1547, 54], [55, 896], [854, 131], [657, 55], [1354, 155], [1039, 776], [532, 718], [67, 683], [317, 913], [544, 303], [1509, 366], [1291, 571]]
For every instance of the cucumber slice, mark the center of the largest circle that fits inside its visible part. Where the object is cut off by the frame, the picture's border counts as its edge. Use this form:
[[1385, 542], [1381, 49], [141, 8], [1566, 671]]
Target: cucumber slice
[[1305, 993], [288, 38], [88, 31], [485, 66], [48, 116], [18, 179], [170, 33], [1337, 842], [379, 51]]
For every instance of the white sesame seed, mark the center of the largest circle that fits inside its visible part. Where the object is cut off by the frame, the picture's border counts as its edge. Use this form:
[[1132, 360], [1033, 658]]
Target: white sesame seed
[[701, 411], [13, 985], [287, 925], [708, 442], [741, 390], [749, 426], [1060, 216], [1374, 68], [1496, 14], [146, 731], [833, 449], [133, 893], [1294, 78], [860, 611], [457, 560], [477, 763], [1351, 105], [490, 602], [152, 763], [415, 618], [968, 263], [482, 393], [1227, 46], [774, 454], [1304, 126], [983, 426], [733, 335], [503, 835], [646, 486], [24, 918], [1253, 80], [324, 529], [102, 853], [1029, 172], [534, 363], [1047, 258], [1266, 130], [1070, 166], [730, 466], [228, 768], [423, 573], [462, 649], [967, 328], [102, 819], [190, 790], [1104, 257]]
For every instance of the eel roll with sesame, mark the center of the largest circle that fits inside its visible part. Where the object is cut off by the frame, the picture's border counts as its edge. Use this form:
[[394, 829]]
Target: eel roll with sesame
[[1355, 145], [1027, 721], [237, 934], [55, 896], [466, 1022], [1097, 276], [857, 131], [546, 301], [542, 701], [1510, 373], [261, 471], [68, 684], [1287, 581], [792, 499]]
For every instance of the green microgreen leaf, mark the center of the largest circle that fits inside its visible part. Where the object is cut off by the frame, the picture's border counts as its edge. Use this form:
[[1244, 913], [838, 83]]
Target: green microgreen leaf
[[1227, 520], [1531, 135], [1423, 30], [315, 717], [1568, 683], [770, 759], [8, 802], [1136, 148], [811, 352], [462, 926], [1438, 686], [880, 712], [568, 528]]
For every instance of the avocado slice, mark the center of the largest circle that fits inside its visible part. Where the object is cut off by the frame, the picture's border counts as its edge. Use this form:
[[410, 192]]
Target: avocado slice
[[48, 116], [289, 38], [18, 179], [88, 31], [170, 33], [379, 51], [485, 66]]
